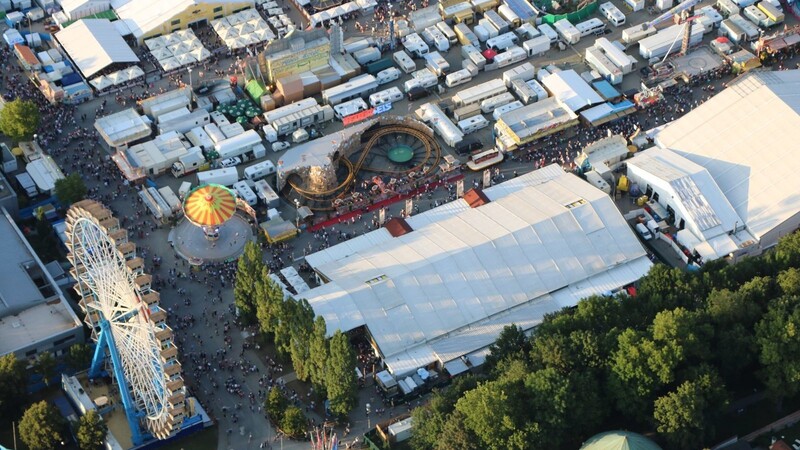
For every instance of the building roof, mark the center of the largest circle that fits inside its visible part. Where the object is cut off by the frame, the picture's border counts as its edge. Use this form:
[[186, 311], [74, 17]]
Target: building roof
[[619, 440], [143, 16], [538, 117], [447, 288], [32, 308], [122, 127], [94, 44], [746, 137], [571, 89], [44, 172]]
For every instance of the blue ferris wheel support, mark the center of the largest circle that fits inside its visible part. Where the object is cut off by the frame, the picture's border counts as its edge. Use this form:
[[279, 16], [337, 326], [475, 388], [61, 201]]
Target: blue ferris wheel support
[[105, 340]]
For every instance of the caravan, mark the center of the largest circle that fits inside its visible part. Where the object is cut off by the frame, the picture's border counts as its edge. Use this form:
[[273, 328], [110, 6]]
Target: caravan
[[592, 26], [548, 31], [458, 77], [245, 193], [502, 42], [390, 95], [490, 104], [447, 32], [404, 61], [473, 124], [612, 13], [259, 171]]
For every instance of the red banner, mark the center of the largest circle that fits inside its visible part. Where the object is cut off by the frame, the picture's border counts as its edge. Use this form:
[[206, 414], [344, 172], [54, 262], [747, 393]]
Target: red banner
[[358, 117]]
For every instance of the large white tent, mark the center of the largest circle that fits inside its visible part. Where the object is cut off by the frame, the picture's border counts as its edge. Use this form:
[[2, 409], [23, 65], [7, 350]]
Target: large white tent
[[177, 49], [242, 29], [746, 138], [94, 44], [447, 288]]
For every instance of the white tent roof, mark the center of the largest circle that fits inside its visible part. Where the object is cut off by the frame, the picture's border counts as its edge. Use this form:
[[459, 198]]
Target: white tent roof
[[746, 137], [571, 89], [447, 288], [94, 44], [143, 16]]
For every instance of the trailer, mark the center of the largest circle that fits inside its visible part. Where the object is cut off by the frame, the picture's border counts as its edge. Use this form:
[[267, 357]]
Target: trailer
[[238, 145], [259, 170], [458, 77], [448, 32], [473, 124], [536, 46], [773, 13], [172, 200], [732, 31], [503, 41], [404, 62], [437, 64], [199, 138], [511, 56], [360, 86], [567, 31], [423, 78], [465, 112], [755, 15], [415, 46], [614, 52], [510, 16], [244, 192], [479, 93], [490, 104], [436, 38], [390, 95], [728, 7], [612, 13], [349, 108], [481, 6], [498, 112], [593, 26], [367, 55], [488, 27], [225, 176], [668, 40], [636, 33], [374, 67], [750, 30], [524, 92], [474, 55], [524, 72], [465, 35], [266, 194], [501, 25], [433, 115], [598, 61], [289, 123]]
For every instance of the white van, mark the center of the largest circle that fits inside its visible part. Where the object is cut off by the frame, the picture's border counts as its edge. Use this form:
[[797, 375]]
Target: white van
[[388, 75], [259, 171], [548, 31], [644, 232], [458, 77], [404, 61], [473, 124], [390, 95], [245, 193], [447, 32]]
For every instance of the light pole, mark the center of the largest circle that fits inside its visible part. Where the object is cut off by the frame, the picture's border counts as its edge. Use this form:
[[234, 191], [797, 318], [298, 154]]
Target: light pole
[[369, 422], [297, 213], [189, 69]]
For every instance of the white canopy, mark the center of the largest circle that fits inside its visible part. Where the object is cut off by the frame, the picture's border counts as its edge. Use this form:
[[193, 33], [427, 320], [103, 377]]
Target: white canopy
[[101, 82], [179, 48], [169, 63], [185, 59], [200, 53], [161, 53], [94, 44], [155, 43]]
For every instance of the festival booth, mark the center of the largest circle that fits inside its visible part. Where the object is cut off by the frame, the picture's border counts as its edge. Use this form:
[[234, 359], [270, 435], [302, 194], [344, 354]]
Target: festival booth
[[278, 230]]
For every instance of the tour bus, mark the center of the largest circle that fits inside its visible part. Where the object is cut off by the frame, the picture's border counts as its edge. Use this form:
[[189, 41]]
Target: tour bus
[[404, 61], [592, 26], [612, 13]]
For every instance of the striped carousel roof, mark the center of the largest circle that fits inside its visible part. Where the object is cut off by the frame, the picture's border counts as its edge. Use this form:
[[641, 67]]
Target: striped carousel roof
[[209, 205]]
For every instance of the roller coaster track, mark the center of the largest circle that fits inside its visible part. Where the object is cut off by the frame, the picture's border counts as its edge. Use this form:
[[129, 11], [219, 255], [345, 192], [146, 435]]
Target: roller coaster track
[[431, 147]]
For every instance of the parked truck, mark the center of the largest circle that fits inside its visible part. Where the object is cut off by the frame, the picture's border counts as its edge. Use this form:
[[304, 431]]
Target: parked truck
[[225, 177], [189, 163]]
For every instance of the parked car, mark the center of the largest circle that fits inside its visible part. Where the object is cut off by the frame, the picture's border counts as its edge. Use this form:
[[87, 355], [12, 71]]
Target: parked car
[[230, 162], [280, 145]]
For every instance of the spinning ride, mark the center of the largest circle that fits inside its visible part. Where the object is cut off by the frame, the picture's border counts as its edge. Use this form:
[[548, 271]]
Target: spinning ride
[[209, 206], [127, 323]]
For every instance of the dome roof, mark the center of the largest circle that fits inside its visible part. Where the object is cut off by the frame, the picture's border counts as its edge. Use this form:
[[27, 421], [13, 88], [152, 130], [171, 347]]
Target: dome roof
[[619, 440]]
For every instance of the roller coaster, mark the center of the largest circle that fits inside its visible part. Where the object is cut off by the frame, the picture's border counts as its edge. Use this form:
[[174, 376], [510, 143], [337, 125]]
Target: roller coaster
[[421, 158]]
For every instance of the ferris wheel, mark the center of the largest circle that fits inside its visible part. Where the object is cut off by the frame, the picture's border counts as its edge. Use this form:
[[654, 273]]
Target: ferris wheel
[[127, 323]]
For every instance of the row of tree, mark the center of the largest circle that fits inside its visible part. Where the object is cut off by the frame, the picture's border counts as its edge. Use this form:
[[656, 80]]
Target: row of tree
[[329, 364], [670, 359], [43, 428]]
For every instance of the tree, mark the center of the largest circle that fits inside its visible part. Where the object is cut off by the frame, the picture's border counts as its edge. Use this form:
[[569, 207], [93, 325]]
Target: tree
[[684, 329], [13, 385], [639, 369], [789, 281], [269, 303], [92, 431], [275, 405], [341, 385], [45, 366], [19, 120], [494, 412], [302, 325], [318, 354], [778, 340], [42, 427], [512, 343], [249, 270], [430, 420], [294, 422], [79, 356], [686, 415], [70, 189], [454, 436]]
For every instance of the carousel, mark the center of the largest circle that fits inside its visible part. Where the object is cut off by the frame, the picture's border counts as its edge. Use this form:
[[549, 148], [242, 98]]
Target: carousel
[[216, 225]]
